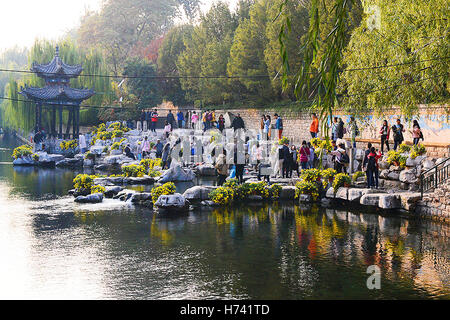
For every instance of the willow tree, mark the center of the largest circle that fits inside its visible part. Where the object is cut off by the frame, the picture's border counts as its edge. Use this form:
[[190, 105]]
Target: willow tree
[[413, 37], [317, 79], [18, 114]]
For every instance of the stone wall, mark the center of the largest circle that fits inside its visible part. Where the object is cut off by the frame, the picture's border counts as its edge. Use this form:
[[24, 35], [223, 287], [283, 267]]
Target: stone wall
[[434, 121], [436, 205]]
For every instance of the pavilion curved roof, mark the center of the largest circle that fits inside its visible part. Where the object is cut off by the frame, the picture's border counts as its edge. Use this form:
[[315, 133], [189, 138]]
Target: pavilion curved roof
[[57, 93], [56, 68]]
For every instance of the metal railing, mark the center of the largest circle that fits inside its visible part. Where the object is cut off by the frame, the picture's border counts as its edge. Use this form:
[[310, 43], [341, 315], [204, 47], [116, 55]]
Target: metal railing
[[434, 177]]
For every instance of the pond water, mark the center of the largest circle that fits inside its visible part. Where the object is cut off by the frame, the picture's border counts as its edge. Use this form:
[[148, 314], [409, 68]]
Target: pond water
[[52, 248]]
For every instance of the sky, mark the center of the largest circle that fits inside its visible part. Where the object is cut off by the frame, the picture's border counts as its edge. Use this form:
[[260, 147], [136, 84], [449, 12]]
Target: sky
[[22, 21]]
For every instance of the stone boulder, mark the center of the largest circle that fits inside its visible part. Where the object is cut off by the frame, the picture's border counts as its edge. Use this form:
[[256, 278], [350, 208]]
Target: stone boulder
[[305, 198], [416, 161], [427, 164], [144, 198], [24, 161], [389, 201], [198, 193], [98, 150], [87, 163], [393, 176], [330, 193], [355, 194], [80, 192], [409, 200], [70, 163], [408, 176], [384, 174], [56, 157], [287, 193], [370, 199], [92, 198], [206, 170], [383, 165], [124, 195], [145, 180], [177, 173], [115, 152], [171, 203], [112, 191], [342, 193]]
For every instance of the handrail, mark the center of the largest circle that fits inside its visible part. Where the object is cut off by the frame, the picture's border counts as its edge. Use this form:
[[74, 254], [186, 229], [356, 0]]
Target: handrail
[[428, 182], [439, 164]]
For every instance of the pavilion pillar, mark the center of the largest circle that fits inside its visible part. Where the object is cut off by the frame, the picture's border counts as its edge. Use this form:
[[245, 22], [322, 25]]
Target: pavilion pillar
[[77, 112], [60, 135], [36, 123], [74, 123], [39, 122], [53, 129]]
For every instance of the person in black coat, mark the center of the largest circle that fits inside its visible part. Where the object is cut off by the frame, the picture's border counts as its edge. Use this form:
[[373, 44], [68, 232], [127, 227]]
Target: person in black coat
[[340, 129], [238, 123], [170, 119], [287, 161]]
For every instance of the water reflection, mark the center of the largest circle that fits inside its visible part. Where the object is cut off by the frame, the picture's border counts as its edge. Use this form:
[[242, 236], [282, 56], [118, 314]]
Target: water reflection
[[53, 248]]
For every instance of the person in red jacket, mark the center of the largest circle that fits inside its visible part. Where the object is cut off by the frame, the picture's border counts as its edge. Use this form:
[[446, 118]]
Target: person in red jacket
[[373, 168], [314, 129]]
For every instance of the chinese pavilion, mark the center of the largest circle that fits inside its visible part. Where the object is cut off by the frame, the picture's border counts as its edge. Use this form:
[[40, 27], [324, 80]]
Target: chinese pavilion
[[58, 94]]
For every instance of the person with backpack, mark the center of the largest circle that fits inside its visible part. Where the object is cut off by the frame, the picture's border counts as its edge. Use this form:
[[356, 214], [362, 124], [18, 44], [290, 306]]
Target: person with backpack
[[222, 168], [221, 123], [385, 132], [342, 159], [416, 133], [372, 168], [354, 130], [398, 130], [279, 125], [304, 155]]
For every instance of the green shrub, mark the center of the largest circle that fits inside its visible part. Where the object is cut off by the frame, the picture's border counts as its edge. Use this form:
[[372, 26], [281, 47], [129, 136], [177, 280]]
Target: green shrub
[[222, 195], [89, 155], [311, 175], [98, 189], [341, 180], [149, 164], [275, 191], [166, 189], [133, 170], [308, 188], [417, 150], [70, 144], [84, 181], [231, 183], [358, 174], [283, 140], [403, 148]]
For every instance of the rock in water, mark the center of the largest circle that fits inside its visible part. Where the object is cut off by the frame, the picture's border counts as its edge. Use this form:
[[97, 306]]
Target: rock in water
[[177, 173], [112, 191], [206, 170], [174, 202], [24, 161], [92, 198]]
